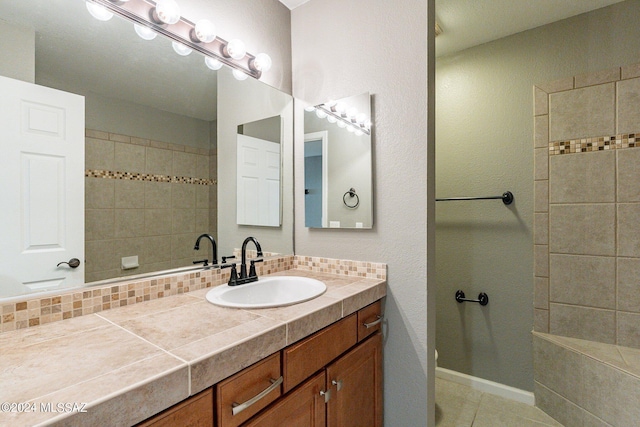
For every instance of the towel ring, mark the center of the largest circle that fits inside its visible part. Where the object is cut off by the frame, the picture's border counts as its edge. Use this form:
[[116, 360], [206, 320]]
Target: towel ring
[[352, 194]]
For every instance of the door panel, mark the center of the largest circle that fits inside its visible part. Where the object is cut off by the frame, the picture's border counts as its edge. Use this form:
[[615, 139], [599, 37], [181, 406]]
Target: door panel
[[41, 187]]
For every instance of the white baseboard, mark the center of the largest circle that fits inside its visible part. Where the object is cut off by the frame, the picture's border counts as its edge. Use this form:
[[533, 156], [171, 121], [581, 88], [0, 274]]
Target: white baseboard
[[487, 386]]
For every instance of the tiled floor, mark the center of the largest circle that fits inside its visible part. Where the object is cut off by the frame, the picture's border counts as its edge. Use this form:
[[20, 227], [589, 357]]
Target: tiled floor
[[461, 406]]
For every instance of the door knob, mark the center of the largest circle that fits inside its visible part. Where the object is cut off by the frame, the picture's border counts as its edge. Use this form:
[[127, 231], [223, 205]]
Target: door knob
[[73, 263]]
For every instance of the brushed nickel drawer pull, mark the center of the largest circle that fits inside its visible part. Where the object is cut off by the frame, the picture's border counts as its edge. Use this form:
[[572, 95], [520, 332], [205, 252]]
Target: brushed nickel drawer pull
[[338, 384], [326, 395], [239, 407], [374, 323]]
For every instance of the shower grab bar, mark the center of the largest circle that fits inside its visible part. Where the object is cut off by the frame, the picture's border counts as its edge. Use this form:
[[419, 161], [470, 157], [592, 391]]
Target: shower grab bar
[[507, 198], [483, 299]]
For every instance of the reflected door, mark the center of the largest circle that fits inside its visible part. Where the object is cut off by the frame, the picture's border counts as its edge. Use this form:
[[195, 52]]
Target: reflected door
[[42, 190], [312, 189], [258, 182]]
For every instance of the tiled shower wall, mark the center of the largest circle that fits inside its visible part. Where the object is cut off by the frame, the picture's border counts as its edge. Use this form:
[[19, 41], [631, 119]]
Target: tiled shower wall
[[587, 207], [145, 198]]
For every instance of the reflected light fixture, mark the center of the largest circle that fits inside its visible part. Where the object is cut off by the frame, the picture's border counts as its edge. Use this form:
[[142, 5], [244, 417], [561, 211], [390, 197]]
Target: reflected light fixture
[[145, 33], [239, 75], [212, 63], [343, 116], [181, 49], [99, 12], [163, 17]]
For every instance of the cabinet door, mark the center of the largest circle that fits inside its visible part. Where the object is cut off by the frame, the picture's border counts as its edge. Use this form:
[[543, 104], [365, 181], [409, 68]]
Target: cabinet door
[[196, 411], [303, 407], [356, 386]]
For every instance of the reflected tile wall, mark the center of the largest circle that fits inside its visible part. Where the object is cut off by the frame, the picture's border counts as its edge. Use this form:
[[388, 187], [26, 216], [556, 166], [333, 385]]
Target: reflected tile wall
[[144, 198]]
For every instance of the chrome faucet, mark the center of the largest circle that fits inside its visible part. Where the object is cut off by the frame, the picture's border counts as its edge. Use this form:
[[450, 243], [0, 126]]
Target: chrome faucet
[[213, 245], [252, 276]]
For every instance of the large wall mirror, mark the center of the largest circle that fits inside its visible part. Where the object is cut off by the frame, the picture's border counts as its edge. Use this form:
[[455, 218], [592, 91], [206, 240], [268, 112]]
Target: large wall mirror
[[158, 127], [338, 164]]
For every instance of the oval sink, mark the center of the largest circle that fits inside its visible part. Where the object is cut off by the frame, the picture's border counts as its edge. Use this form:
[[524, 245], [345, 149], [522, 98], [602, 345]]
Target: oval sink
[[274, 291]]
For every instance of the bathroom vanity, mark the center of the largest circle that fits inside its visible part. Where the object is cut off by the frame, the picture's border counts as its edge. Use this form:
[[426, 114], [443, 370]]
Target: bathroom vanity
[[332, 378], [180, 355]]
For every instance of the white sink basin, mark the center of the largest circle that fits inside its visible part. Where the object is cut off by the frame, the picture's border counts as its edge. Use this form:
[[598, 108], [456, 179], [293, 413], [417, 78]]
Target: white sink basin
[[273, 291]]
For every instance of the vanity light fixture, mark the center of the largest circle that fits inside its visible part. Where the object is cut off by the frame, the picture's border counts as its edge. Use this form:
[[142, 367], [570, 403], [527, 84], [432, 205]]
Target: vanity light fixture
[[163, 17], [343, 116]]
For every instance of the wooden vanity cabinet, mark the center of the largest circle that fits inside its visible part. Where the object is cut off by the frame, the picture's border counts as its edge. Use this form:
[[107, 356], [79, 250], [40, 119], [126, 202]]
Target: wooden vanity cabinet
[[355, 381], [196, 411], [303, 407], [248, 391], [332, 378]]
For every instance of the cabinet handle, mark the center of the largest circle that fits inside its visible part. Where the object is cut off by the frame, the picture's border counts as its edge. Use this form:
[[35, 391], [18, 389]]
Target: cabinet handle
[[374, 323], [239, 407], [326, 395], [338, 384]]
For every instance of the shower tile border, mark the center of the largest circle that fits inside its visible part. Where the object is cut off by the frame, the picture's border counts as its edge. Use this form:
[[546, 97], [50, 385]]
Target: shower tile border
[[601, 143], [135, 176]]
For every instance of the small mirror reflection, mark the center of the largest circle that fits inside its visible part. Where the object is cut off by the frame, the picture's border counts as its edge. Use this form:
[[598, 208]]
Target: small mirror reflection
[[338, 164]]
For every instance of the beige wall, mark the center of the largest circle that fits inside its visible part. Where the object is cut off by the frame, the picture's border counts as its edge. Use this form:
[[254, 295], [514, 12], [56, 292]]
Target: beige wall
[[586, 235], [484, 133], [347, 48], [17, 52]]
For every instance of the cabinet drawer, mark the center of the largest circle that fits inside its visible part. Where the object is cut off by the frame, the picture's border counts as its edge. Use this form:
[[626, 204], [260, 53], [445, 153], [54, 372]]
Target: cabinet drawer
[[196, 411], [302, 407], [248, 391], [303, 359], [369, 320]]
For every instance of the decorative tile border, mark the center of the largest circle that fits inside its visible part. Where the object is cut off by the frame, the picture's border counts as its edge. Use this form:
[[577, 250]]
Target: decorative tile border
[[363, 269], [602, 143], [134, 176], [35, 311]]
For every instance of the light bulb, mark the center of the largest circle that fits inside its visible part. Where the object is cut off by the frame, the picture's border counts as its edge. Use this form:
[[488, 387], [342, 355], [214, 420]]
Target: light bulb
[[361, 118], [99, 12], [204, 31], [341, 124], [145, 32], [262, 62], [352, 112], [181, 49], [321, 114], [351, 129], [359, 132], [309, 108], [340, 108], [239, 75], [331, 119], [235, 49], [167, 11], [212, 63], [330, 103]]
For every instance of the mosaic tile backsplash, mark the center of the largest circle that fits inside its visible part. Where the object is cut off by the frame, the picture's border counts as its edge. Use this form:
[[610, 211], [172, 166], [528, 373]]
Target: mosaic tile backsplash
[[35, 311]]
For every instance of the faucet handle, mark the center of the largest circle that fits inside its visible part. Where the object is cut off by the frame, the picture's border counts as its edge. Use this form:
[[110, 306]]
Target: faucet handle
[[252, 268], [233, 278], [225, 258]]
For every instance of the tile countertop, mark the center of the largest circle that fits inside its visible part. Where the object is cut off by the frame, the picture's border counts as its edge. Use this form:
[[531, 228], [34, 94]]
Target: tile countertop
[[124, 365]]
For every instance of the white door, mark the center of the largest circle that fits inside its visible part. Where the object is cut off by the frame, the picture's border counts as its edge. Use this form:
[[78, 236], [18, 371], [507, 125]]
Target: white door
[[41, 188], [258, 182]]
